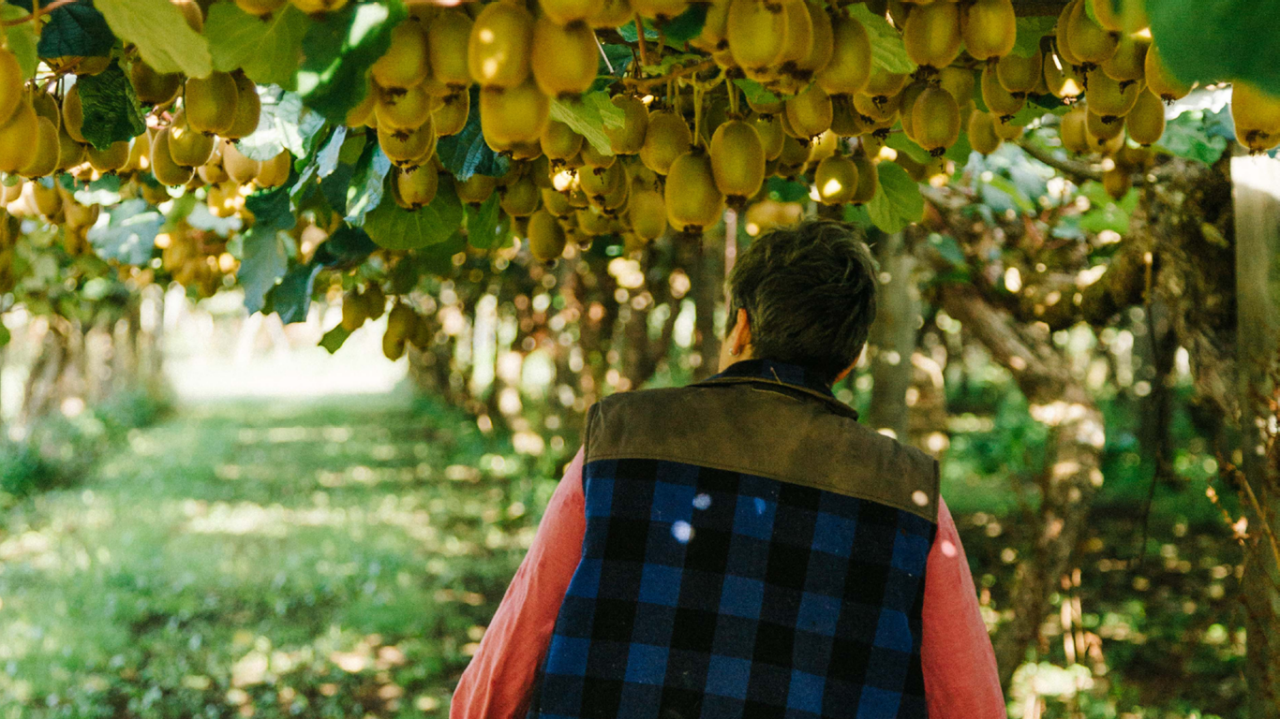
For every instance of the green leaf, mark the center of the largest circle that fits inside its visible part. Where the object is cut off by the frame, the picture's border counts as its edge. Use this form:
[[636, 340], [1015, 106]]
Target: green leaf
[[1016, 195], [898, 201], [262, 266], [900, 142], [887, 50], [1211, 40], [341, 47], [162, 36], [292, 297], [1188, 135], [1030, 30], [1104, 212], [4, 335], [347, 247], [269, 49], [367, 185], [466, 153], [960, 150], [685, 26], [111, 110], [755, 92], [21, 37], [283, 125], [129, 236], [335, 338], [330, 155], [784, 190], [482, 223], [395, 228], [947, 248], [588, 116], [75, 30]]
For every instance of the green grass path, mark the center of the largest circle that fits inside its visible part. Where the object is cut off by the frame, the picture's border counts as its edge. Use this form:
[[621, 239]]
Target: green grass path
[[333, 559]]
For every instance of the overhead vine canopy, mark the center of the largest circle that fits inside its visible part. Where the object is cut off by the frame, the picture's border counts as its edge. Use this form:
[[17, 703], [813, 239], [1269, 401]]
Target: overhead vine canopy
[[261, 143]]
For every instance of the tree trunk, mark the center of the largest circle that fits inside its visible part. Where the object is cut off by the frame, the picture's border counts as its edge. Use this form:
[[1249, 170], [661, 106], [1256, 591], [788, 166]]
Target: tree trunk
[[1058, 400], [893, 335], [1257, 219], [708, 291]]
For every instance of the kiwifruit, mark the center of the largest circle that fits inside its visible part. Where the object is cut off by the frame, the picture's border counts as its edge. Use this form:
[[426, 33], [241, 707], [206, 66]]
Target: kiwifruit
[[1088, 40], [375, 301], [166, 171], [45, 106], [692, 199], [416, 187], [1007, 131], [836, 178], [989, 28], [408, 147], [475, 189], [932, 34], [404, 64], [906, 104], [557, 203], [846, 121], [809, 113], [564, 57], [448, 35], [1072, 131], [81, 216], [648, 214], [1105, 13], [666, 138], [1099, 130], [1109, 99], [737, 160], [612, 15], [876, 109], [884, 84], [559, 141], [317, 7], [799, 38], [563, 12], [514, 115], [1145, 122], [599, 182], [275, 171], [400, 325], [210, 102], [212, 171], [1117, 182], [46, 200], [499, 45], [769, 130], [662, 10], [139, 150], [1061, 79], [520, 198], [151, 87], [45, 159], [10, 83], [353, 314], [1256, 116], [868, 178], [1000, 101], [451, 116], [628, 139], [403, 110], [757, 33], [112, 159], [546, 236], [712, 36], [936, 119], [362, 113], [248, 108], [821, 43], [187, 147], [73, 113], [1062, 36], [982, 133], [1019, 75], [823, 146], [1129, 62], [260, 7], [1159, 80], [17, 149], [238, 167], [849, 69], [959, 82], [591, 222]]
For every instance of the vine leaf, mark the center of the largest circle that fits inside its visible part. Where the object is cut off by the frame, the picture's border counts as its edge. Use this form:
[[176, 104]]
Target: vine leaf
[[111, 110], [162, 36], [341, 48], [588, 116], [284, 124], [466, 153], [269, 50], [1211, 40], [887, 50], [21, 39], [396, 228], [898, 201], [129, 235], [75, 30]]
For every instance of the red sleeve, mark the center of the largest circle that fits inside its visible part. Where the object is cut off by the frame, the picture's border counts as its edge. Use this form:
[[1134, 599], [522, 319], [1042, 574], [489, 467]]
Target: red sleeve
[[498, 681], [960, 677]]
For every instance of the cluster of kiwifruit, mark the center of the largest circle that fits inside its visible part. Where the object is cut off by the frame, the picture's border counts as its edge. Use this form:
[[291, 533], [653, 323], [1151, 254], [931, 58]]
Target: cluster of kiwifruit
[[404, 323]]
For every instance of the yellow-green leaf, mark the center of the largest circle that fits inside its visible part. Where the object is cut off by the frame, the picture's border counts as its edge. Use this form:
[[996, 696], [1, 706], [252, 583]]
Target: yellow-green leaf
[[162, 36]]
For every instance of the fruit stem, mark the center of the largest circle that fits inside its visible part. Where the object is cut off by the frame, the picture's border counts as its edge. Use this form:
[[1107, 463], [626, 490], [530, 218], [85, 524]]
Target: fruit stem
[[35, 12], [651, 81], [644, 53]]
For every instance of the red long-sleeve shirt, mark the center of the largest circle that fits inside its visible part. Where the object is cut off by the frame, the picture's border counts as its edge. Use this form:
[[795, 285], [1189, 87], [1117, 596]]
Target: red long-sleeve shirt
[[958, 662]]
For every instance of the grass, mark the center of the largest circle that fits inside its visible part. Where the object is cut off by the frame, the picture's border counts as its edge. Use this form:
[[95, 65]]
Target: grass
[[331, 559]]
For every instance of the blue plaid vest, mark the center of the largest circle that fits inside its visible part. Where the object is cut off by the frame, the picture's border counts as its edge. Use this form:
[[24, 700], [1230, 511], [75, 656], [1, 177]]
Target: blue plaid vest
[[751, 551]]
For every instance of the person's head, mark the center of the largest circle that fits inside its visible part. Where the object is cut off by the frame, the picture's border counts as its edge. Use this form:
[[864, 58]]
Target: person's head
[[804, 294]]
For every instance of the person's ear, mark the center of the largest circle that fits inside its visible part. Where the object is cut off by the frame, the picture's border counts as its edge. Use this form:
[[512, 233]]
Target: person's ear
[[740, 337]]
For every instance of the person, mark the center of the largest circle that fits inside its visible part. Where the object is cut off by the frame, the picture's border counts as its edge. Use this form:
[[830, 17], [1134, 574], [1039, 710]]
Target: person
[[742, 546]]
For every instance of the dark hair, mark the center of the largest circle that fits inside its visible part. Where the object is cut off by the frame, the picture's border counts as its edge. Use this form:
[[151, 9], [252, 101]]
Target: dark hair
[[810, 293]]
